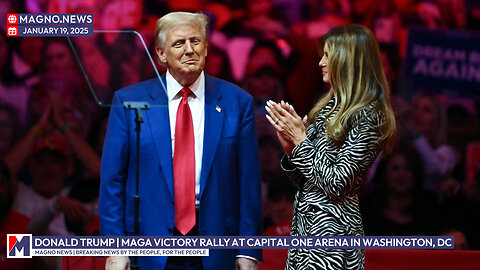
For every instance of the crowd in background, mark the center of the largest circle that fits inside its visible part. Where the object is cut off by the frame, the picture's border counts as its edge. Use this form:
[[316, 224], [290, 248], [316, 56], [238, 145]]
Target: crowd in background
[[52, 128]]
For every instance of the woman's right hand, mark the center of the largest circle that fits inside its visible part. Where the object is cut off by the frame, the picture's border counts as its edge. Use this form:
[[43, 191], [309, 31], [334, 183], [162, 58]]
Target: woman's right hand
[[286, 144], [285, 140]]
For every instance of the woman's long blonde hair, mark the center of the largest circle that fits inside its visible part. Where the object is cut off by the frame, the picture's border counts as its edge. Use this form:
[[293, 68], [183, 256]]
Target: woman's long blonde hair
[[357, 80]]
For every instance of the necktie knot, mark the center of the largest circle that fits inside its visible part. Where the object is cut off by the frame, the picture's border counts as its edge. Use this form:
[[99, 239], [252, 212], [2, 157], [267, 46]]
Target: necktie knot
[[186, 92]]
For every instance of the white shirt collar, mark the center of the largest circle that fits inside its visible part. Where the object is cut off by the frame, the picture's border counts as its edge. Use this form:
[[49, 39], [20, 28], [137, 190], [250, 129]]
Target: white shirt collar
[[173, 87]]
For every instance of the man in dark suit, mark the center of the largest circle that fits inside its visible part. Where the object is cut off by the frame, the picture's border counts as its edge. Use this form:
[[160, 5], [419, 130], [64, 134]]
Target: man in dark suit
[[199, 169]]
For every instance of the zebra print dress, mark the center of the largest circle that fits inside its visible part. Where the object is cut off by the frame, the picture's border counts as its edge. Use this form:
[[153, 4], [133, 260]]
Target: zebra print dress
[[328, 177]]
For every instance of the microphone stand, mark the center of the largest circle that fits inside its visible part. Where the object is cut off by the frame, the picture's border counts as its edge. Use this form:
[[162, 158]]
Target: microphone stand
[[138, 107]]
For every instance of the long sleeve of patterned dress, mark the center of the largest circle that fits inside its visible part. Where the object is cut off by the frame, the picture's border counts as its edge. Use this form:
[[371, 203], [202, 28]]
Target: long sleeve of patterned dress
[[337, 170]]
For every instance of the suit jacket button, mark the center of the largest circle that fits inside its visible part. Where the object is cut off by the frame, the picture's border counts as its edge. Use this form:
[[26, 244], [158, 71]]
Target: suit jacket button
[[170, 230]]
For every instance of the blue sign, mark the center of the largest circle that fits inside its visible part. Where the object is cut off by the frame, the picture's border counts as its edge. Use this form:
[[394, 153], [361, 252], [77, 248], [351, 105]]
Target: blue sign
[[443, 60]]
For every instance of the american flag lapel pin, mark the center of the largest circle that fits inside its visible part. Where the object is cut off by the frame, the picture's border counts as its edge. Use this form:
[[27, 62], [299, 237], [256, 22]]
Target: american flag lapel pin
[[218, 109]]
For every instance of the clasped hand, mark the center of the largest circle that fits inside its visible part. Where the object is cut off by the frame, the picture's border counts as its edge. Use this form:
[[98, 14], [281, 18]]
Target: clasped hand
[[291, 128]]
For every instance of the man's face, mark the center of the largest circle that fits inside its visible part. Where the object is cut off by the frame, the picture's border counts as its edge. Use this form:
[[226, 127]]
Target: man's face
[[184, 53]]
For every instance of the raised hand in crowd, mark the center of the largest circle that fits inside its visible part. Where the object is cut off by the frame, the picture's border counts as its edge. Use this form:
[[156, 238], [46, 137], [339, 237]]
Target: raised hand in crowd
[[21, 151], [77, 144]]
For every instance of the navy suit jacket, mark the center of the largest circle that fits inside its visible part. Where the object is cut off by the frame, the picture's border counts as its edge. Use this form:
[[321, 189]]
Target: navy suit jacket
[[230, 199]]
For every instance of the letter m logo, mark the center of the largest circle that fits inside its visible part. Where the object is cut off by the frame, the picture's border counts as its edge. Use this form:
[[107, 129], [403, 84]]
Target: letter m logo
[[19, 245]]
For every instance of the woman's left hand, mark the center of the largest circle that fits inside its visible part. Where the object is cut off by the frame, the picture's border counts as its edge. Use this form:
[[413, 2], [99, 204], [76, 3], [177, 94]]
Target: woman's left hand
[[287, 123]]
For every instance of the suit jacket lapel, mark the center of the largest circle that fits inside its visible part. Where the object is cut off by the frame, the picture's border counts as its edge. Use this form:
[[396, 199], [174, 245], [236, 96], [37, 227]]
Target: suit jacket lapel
[[214, 114], [159, 123]]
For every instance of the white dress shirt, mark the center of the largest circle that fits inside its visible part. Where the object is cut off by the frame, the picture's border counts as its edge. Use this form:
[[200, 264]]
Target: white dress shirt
[[197, 107]]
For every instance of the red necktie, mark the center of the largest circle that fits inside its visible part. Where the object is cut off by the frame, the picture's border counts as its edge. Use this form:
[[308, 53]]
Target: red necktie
[[184, 166]]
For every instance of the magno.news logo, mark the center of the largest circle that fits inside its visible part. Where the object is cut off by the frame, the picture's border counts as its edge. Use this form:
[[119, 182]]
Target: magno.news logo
[[19, 245]]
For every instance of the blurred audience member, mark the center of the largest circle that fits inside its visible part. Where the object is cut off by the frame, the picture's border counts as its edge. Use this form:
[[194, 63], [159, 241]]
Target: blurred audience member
[[428, 132], [57, 55], [126, 60], [473, 10], [121, 54], [278, 213], [96, 136], [364, 12], [218, 63], [460, 132], [291, 11], [86, 192], [69, 122], [259, 21], [62, 79], [398, 204], [460, 205], [279, 207], [27, 63], [461, 242], [36, 6], [96, 66], [10, 130], [428, 13], [265, 73], [330, 13], [453, 13], [47, 149], [48, 167], [12, 89], [317, 8], [45, 202], [10, 7], [11, 221], [84, 162], [387, 23], [391, 64], [269, 149]]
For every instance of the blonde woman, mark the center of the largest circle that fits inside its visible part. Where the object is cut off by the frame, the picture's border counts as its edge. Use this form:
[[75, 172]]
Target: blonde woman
[[329, 154], [428, 133]]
